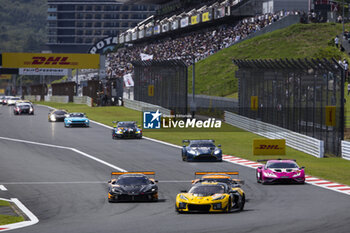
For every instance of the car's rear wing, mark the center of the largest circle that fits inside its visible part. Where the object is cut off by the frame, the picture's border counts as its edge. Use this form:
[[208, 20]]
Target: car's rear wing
[[230, 173], [265, 160], [149, 173]]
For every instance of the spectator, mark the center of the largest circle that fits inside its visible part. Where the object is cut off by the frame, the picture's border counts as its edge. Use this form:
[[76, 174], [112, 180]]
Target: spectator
[[336, 41], [348, 88]]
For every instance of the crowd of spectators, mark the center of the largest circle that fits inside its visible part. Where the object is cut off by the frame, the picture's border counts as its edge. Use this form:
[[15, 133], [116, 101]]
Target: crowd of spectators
[[197, 45]]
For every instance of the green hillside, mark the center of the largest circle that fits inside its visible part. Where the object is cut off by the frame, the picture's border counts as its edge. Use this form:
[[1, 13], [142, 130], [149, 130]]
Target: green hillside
[[216, 74], [22, 25]]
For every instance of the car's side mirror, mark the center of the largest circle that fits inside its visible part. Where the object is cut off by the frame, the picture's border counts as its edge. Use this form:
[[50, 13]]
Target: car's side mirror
[[260, 167], [241, 182], [183, 191], [219, 145], [156, 181], [109, 181], [302, 167], [114, 122], [139, 126]]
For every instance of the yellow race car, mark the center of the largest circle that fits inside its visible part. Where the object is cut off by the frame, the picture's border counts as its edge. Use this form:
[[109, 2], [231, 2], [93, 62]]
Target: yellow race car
[[210, 197]]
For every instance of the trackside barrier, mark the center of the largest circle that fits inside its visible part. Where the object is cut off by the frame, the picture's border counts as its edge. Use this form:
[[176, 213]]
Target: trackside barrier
[[30, 97], [82, 100], [141, 106], [345, 150], [295, 140], [213, 102], [57, 98]]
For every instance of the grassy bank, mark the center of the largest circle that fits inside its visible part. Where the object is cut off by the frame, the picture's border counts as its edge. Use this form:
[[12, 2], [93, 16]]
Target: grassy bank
[[216, 74], [7, 219], [234, 141]]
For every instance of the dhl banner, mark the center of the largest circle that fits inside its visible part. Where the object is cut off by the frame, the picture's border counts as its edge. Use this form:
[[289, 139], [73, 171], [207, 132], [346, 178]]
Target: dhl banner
[[51, 60], [2, 91], [205, 17], [269, 147], [5, 76]]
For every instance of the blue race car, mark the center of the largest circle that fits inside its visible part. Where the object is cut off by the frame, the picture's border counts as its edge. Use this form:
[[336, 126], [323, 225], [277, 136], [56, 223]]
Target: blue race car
[[76, 119], [201, 150], [126, 129]]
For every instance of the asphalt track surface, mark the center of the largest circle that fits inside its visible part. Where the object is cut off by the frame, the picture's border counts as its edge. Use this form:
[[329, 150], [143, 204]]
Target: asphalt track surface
[[68, 192]]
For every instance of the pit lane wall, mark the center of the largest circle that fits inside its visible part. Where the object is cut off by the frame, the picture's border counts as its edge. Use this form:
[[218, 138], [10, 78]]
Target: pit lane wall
[[345, 150], [295, 140]]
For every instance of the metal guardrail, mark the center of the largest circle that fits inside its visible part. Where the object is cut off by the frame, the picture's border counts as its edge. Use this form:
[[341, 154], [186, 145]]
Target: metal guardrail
[[82, 100], [295, 140], [345, 150], [142, 106]]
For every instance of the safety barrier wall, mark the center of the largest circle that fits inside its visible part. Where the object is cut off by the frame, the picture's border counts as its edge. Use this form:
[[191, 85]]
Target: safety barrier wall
[[82, 100], [213, 102], [345, 150], [295, 140], [141, 106], [57, 98]]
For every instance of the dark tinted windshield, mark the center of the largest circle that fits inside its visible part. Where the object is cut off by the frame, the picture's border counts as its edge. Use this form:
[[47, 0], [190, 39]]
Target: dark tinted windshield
[[126, 124], [60, 112], [24, 105], [227, 181], [206, 144], [207, 190], [15, 98], [282, 165], [133, 180], [76, 115]]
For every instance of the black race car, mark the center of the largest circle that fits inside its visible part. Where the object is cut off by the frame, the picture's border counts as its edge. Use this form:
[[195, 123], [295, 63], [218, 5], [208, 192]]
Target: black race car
[[201, 150], [126, 129], [132, 186], [57, 115]]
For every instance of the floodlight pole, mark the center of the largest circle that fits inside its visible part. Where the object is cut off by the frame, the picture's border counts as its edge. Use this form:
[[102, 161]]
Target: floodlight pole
[[193, 85], [343, 18]]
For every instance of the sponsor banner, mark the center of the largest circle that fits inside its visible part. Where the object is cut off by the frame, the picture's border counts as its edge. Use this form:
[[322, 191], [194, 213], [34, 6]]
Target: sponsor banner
[[175, 25], [206, 17], [156, 29], [134, 36], [219, 12], [141, 33], [127, 37], [165, 27], [2, 91], [269, 147], [254, 103], [43, 71], [150, 90], [149, 31], [51, 60], [128, 81], [103, 43], [5, 76], [184, 22], [146, 57], [331, 116], [194, 19], [121, 39]]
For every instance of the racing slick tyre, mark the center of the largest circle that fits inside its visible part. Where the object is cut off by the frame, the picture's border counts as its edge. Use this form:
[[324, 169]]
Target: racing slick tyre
[[184, 158], [243, 203], [229, 206], [258, 178]]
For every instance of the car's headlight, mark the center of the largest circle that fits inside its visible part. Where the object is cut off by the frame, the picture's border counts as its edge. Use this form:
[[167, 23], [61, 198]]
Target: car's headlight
[[183, 197], [31, 109], [217, 151], [297, 174], [138, 131], [87, 121], [52, 117], [115, 190], [194, 152], [218, 198], [69, 121], [268, 174]]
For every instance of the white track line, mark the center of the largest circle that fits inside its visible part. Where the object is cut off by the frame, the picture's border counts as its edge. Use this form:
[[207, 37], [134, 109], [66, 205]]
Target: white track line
[[2, 188], [79, 182], [67, 148]]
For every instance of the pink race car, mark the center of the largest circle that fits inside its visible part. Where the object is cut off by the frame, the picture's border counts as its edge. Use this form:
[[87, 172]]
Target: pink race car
[[280, 171]]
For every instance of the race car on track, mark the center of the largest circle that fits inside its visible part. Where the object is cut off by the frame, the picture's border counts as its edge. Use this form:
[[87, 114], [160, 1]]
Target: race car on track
[[201, 150], [57, 115], [219, 176], [126, 129], [12, 100], [132, 186], [76, 119], [23, 108], [210, 197], [280, 171]]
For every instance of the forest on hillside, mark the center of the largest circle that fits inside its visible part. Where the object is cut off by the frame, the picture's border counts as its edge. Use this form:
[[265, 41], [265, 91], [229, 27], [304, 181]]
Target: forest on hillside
[[22, 25]]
